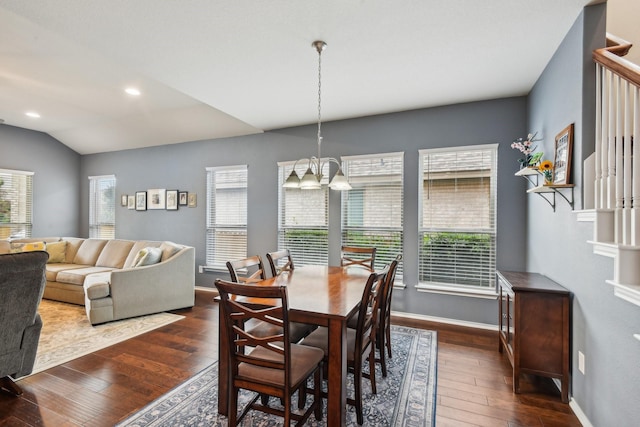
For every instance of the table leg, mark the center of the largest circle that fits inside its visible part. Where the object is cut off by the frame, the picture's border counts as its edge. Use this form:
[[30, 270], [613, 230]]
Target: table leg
[[337, 377], [223, 367]]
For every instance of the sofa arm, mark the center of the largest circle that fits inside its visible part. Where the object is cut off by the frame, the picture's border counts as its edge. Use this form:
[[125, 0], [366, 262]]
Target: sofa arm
[[168, 285], [30, 340]]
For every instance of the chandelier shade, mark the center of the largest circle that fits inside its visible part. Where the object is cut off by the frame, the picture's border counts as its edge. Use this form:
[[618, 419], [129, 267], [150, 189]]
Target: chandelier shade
[[312, 178]]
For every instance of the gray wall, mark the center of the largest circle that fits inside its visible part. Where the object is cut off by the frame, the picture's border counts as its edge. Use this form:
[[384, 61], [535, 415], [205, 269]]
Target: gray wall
[[603, 325], [182, 167], [56, 180]]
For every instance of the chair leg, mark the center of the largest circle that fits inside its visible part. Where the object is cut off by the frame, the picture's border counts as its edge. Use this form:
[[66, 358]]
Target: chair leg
[[317, 395], [380, 344], [302, 395], [233, 407], [388, 340], [357, 383], [372, 369], [7, 383]]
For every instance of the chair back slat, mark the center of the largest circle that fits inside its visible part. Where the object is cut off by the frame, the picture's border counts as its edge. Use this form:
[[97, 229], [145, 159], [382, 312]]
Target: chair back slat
[[369, 308], [358, 256], [252, 267], [274, 261]]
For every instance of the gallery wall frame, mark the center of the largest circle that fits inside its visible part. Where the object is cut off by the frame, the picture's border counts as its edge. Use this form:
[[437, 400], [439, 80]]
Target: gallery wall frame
[[562, 159], [141, 200], [156, 198], [131, 202], [172, 200], [183, 198]]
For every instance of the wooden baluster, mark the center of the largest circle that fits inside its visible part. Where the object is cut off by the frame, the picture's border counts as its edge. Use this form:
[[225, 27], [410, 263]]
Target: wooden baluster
[[635, 221], [597, 187]]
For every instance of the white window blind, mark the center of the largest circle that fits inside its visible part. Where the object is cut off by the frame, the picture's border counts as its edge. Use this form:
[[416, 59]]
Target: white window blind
[[372, 211], [102, 207], [303, 220], [457, 245], [226, 215], [16, 201]]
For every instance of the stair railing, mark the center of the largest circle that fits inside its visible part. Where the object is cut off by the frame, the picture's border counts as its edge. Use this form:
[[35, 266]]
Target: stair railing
[[617, 158]]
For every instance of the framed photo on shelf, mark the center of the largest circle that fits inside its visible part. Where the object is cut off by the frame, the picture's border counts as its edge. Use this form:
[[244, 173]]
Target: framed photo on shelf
[[131, 202], [124, 200], [141, 200], [192, 200], [156, 198], [183, 198], [172, 200], [562, 159]]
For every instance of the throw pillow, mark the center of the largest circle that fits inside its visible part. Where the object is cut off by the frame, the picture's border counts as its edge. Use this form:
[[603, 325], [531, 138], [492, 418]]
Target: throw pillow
[[147, 256], [57, 251], [26, 247], [169, 249]]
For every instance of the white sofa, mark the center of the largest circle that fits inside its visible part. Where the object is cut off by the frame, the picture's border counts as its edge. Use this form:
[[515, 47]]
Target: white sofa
[[110, 278]]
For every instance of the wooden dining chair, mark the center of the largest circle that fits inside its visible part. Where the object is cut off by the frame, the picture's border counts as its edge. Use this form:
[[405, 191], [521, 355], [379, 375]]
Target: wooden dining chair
[[361, 341], [255, 272], [274, 366], [247, 270], [384, 322], [358, 256], [277, 266]]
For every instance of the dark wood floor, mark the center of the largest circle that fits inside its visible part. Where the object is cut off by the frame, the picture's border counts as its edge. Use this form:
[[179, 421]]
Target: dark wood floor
[[100, 389]]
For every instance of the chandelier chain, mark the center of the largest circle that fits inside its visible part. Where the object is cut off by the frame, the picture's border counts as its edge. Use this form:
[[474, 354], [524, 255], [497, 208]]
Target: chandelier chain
[[319, 95]]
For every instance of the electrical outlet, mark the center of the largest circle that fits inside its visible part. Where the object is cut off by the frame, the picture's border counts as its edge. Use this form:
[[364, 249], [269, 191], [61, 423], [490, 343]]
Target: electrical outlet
[[581, 362], [200, 269]]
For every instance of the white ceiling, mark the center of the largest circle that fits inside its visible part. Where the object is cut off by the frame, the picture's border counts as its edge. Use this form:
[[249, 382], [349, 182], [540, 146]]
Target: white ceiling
[[214, 68]]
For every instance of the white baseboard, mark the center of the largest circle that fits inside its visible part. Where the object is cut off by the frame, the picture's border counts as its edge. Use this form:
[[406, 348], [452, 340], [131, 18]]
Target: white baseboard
[[579, 413], [445, 320], [207, 289]]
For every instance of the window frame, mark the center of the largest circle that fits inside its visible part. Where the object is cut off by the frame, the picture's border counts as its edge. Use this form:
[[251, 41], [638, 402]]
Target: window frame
[[376, 187], [241, 227], [98, 229], [25, 206], [489, 292], [316, 248]]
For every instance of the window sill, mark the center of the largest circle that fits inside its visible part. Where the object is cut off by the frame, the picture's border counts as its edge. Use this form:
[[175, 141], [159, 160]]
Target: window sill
[[212, 269], [460, 291]]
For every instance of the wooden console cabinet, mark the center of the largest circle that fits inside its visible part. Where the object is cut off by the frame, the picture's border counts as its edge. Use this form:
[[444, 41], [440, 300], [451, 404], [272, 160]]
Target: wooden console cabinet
[[534, 327]]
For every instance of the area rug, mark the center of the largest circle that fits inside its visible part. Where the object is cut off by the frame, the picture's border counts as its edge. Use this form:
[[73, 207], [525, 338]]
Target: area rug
[[67, 334], [406, 397]]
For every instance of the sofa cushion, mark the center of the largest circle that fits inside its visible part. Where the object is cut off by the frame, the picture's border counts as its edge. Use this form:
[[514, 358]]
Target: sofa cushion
[[169, 249], [114, 253], [137, 246], [77, 276], [5, 247], [57, 252], [89, 251], [147, 256], [54, 269], [73, 244]]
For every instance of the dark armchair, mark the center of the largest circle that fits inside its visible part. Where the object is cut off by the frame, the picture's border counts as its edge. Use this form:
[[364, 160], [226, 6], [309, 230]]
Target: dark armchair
[[22, 281]]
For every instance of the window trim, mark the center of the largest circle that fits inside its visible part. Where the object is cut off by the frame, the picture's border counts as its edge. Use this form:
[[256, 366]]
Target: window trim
[[28, 225], [456, 290], [92, 224]]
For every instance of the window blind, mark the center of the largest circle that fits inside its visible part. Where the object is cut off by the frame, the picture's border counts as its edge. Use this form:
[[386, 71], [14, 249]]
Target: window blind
[[102, 207], [226, 237], [303, 219], [458, 216], [16, 203], [372, 211]]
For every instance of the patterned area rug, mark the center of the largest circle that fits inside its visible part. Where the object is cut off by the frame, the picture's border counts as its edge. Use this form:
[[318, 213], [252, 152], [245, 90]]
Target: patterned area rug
[[67, 334], [405, 398]]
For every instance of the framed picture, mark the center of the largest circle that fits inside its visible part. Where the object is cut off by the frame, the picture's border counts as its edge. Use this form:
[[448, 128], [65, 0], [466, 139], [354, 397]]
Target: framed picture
[[141, 200], [562, 159], [192, 200], [124, 200], [156, 198], [182, 198], [172, 200], [131, 202]]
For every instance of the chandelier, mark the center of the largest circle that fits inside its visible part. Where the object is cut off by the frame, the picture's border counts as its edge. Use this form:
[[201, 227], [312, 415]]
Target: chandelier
[[311, 180]]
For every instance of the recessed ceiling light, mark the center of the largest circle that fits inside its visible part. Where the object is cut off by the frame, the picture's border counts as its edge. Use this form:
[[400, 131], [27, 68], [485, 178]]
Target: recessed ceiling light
[[132, 91], [32, 114]]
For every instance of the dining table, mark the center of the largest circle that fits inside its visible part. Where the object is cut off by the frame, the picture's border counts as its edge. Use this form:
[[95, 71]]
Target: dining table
[[320, 295]]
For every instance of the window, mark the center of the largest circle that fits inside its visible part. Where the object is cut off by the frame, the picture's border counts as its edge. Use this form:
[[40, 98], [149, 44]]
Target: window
[[16, 201], [102, 207], [226, 215], [372, 211], [303, 219], [457, 246]]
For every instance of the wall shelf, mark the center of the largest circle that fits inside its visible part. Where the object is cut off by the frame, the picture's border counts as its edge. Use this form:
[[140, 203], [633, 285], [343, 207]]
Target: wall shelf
[[547, 192]]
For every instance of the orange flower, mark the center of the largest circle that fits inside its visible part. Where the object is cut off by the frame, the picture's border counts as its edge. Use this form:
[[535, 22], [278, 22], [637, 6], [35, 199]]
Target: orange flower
[[547, 165]]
